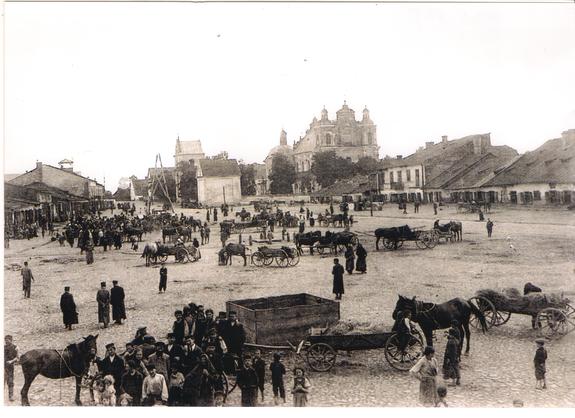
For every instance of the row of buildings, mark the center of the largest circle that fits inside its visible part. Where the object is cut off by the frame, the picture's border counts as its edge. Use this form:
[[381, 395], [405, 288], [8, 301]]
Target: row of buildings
[[51, 194]]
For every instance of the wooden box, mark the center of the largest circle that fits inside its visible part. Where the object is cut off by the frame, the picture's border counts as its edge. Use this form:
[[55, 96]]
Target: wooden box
[[278, 319]]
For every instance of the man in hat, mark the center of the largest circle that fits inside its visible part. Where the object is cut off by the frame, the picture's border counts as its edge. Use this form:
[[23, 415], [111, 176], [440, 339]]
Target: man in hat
[[68, 308], [192, 354], [103, 299], [130, 352], [539, 363], [174, 351], [234, 335], [27, 279], [10, 357], [247, 380], [113, 365], [337, 272], [154, 388], [163, 278], [160, 360], [117, 297], [180, 327]]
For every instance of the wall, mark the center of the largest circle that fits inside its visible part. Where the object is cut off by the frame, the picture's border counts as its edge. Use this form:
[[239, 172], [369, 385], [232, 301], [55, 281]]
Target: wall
[[542, 188], [210, 190]]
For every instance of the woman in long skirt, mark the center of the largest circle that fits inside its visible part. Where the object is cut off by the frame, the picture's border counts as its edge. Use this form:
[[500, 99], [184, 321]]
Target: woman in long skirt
[[349, 259], [361, 264], [425, 370]]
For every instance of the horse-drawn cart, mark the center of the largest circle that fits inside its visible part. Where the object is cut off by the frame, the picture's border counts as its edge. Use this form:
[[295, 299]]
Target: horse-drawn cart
[[552, 315], [181, 253], [336, 242], [393, 238], [284, 256], [320, 351]]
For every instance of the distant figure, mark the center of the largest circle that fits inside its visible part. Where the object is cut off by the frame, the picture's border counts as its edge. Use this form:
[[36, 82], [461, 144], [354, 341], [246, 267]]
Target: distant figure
[[215, 214], [278, 371], [117, 297], [337, 273], [435, 208], [68, 308], [103, 299], [489, 227], [361, 263], [10, 357], [208, 216], [27, 279], [247, 380], [89, 248], [539, 363], [331, 208], [206, 233], [481, 217], [349, 259], [163, 278], [416, 207], [260, 368], [301, 387]]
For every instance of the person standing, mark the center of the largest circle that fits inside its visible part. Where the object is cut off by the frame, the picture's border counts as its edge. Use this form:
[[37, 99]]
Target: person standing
[[260, 368], [160, 360], [361, 263], [68, 308], [154, 388], [331, 208], [215, 214], [27, 279], [425, 370], [208, 215], [234, 335], [349, 259], [247, 380], [132, 382], [539, 363], [301, 224], [117, 297], [435, 208], [481, 217], [206, 233], [278, 371], [10, 357], [489, 226], [451, 359], [113, 365], [163, 278], [301, 387], [337, 272], [103, 299], [89, 248], [180, 328]]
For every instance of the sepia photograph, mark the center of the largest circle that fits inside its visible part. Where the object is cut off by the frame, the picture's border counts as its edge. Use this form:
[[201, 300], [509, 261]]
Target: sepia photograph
[[289, 204]]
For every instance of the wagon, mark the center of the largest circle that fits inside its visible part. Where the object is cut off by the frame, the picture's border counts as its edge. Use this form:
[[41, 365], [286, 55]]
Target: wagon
[[552, 316], [336, 243], [468, 208], [320, 351], [284, 256], [423, 238], [181, 253]]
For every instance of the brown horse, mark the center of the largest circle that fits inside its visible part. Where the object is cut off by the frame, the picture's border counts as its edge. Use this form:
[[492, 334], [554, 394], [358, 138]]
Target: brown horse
[[233, 249], [58, 364]]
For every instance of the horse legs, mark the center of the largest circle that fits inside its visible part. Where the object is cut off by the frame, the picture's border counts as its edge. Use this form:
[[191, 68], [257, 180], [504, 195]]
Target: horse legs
[[467, 336], [428, 333], [377, 243], [245, 259], [78, 388], [28, 379]]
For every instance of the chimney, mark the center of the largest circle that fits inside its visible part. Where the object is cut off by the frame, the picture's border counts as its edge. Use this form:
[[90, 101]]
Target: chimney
[[444, 139], [399, 157], [39, 165], [428, 144]]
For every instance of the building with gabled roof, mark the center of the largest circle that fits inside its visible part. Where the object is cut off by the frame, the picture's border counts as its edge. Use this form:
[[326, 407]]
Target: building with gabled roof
[[188, 151], [218, 181]]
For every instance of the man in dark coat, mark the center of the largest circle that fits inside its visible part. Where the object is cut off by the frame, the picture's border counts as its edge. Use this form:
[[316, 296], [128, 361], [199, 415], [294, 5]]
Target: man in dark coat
[[163, 278], [247, 380], [234, 334], [349, 259], [117, 297], [103, 299], [361, 264], [68, 307], [27, 279], [113, 365], [337, 272]]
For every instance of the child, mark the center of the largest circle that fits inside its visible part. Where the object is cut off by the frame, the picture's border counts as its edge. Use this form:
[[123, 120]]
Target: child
[[260, 368], [441, 394], [451, 359], [301, 386], [539, 362], [278, 370]]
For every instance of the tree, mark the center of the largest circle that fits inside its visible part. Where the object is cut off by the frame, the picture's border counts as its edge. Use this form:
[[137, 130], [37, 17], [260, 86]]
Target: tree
[[247, 179], [188, 181], [282, 176], [366, 165], [327, 168]]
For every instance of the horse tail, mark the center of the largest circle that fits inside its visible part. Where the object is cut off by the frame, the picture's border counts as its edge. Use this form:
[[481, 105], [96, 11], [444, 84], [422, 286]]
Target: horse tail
[[477, 312]]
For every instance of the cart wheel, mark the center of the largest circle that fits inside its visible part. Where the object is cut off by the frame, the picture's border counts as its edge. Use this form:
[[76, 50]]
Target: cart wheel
[[420, 243], [194, 255], [320, 249], [163, 258], [258, 259], [552, 323], [430, 240], [181, 255], [221, 389], [340, 248], [282, 260], [294, 260], [321, 357], [487, 309], [387, 243], [403, 360], [268, 260]]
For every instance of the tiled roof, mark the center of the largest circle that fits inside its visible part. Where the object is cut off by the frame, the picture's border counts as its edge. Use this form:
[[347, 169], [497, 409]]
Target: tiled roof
[[219, 168], [553, 162], [357, 184], [190, 147]]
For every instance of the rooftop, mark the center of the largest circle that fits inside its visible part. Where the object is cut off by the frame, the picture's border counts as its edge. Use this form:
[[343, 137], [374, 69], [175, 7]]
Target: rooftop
[[219, 168]]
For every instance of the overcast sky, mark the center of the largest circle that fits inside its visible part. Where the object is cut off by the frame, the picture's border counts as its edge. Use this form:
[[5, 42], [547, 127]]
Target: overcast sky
[[110, 85]]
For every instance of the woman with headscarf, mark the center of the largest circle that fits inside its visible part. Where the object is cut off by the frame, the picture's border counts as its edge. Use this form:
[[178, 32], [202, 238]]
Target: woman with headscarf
[[349, 259], [425, 370], [361, 264]]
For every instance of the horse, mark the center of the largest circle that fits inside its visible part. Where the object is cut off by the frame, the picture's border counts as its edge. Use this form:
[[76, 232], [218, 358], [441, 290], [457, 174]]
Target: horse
[[457, 229], [243, 215], [431, 316], [445, 230], [130, 230], [150, 252], [308, 238], [54, 364], [232, 249], [392, 234], [169, 231], [186, 232]]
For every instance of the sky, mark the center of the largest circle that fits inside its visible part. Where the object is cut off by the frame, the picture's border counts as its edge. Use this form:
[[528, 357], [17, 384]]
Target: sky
[[111, 85]]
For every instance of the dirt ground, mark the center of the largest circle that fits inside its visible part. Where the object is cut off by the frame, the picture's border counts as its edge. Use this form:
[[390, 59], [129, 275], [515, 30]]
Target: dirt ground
[[527, 245]]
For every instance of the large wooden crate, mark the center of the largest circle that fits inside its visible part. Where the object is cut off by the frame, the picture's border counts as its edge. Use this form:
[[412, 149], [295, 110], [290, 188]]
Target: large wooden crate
[[278, 319]]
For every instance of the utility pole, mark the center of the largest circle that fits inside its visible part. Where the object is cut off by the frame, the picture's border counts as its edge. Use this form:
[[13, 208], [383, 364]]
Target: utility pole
[[224, 190]]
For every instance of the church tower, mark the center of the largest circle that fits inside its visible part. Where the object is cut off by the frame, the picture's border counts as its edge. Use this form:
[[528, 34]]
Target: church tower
[[283, 138]]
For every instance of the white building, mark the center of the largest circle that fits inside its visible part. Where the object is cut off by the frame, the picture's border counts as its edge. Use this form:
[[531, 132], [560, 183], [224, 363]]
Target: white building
[[218, 182]]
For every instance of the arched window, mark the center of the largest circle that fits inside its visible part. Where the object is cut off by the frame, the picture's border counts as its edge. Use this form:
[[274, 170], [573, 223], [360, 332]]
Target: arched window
[[327, 139], [369, 138]]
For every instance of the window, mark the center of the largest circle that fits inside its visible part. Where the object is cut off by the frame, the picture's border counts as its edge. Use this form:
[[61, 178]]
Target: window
[[536, 195], [369, 138], [408, 175], [399, 176], [328, 139], [417, 177], [391, 176]]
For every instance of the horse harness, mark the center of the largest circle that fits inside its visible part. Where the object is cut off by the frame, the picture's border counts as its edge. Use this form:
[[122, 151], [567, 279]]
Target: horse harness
[[426, 313], [63, 360]]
